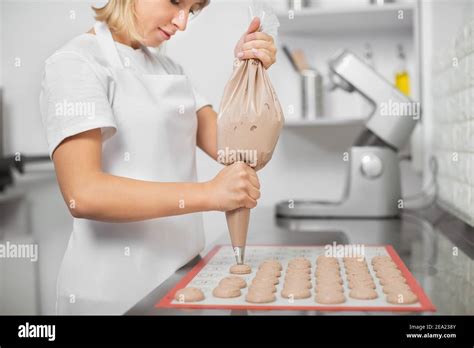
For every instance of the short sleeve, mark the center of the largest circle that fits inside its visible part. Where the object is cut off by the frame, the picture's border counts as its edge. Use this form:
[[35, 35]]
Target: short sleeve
[[201, 101], [74, 98]]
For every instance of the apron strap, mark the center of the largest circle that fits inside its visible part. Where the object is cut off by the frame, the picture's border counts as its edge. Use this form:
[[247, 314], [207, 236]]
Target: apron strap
[[107, 43]]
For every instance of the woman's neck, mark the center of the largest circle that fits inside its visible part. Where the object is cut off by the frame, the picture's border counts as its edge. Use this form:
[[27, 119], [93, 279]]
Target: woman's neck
[[120, 39], [125, 41]]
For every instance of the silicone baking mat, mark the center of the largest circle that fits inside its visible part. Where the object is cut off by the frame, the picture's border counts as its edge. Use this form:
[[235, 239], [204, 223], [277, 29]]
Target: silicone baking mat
[[215, 266]]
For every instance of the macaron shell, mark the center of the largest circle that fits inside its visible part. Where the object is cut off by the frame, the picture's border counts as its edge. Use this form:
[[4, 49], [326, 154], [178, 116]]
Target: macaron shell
[[240, 269], [189, 294]]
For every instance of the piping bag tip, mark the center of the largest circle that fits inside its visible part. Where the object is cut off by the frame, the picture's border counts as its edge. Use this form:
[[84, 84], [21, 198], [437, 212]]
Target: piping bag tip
[[239, 253], [238, 224]]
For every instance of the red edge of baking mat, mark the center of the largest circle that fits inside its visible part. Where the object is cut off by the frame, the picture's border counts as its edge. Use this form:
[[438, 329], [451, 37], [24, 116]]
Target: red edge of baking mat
[[424, 301]]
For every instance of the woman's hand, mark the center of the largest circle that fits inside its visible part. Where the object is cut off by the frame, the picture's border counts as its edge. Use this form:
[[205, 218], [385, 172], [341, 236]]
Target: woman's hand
[[257, 45], [236, 186]]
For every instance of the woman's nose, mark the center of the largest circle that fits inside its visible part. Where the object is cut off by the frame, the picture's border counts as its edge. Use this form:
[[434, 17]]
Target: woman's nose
[[181, 20]]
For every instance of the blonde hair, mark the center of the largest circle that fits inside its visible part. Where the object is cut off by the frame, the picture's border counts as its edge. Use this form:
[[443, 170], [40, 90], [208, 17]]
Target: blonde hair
[[120, 17]]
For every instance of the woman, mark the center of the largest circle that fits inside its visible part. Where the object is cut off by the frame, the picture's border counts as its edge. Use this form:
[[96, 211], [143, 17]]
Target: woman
[[122, 125]]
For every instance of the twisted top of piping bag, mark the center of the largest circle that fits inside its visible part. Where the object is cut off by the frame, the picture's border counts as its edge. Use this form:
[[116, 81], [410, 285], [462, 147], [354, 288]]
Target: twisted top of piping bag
[[268, 20]]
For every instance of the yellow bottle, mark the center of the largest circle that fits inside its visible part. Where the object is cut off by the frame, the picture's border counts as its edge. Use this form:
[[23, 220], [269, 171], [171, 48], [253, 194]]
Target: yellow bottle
[[402, 78], [402, 81]]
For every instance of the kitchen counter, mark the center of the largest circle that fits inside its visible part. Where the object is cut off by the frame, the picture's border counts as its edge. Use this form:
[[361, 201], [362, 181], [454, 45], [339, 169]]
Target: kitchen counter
[[436, 247]]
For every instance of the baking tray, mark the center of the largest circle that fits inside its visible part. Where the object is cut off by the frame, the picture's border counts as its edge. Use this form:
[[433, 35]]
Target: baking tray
[[215, 266]]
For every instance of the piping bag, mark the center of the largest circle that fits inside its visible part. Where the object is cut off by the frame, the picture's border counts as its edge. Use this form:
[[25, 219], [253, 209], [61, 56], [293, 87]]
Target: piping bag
[[249, 122]]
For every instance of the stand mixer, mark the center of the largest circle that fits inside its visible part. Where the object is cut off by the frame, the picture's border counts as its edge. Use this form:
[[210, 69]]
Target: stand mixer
[[372, 188]]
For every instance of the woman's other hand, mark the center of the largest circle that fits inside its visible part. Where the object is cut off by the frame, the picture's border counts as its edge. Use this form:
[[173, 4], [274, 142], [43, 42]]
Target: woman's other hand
[[256, 45]]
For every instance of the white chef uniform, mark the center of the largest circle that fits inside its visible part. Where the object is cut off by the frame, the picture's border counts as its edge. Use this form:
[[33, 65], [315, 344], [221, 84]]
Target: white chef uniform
[[146, 108]]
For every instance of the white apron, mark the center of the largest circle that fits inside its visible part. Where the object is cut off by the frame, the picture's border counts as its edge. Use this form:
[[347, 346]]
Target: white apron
[[108, 267]]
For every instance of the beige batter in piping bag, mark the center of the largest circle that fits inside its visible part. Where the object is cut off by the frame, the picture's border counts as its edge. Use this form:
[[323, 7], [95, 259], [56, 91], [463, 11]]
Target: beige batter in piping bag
[[249, 124]]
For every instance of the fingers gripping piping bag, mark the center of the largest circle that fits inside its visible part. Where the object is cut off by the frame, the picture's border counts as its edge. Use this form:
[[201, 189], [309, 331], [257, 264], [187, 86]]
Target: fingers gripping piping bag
[[249, 123]]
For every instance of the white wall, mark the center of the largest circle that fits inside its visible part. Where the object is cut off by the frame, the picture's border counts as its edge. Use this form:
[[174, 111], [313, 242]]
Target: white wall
[[33, 30], [449, 130]]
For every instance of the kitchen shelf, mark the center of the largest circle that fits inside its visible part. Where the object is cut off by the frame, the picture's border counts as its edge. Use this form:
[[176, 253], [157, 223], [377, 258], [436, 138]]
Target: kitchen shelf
[[325, 122], [336, 19]]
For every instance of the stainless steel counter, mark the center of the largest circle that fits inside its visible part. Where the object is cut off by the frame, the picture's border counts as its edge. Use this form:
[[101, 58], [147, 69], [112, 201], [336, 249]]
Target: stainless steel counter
[[436, 247]]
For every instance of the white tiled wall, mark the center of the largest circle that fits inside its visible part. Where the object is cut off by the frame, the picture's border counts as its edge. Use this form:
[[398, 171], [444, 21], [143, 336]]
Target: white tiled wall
[[453, 120]]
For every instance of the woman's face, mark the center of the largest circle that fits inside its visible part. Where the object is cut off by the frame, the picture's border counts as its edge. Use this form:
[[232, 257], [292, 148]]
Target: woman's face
[[159, 20]]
